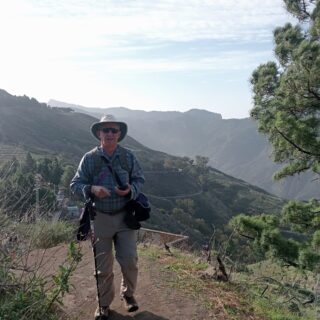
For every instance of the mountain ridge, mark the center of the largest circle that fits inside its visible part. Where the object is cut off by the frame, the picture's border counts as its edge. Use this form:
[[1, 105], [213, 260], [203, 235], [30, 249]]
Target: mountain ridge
[[233, 146]]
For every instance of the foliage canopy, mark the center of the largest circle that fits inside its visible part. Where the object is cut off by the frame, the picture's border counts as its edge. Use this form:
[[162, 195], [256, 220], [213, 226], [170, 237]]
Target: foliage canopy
[[287, 94]]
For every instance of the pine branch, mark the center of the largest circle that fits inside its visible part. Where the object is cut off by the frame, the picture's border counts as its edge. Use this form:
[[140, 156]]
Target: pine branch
[[311, 300], [222, 269], [246, 236], [295, 145], [313, 93], [263, 292], [210, 244], [290, 263]]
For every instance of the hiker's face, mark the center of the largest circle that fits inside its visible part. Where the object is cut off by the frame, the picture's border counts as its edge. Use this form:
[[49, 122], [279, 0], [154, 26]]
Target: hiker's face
[[109, 135]]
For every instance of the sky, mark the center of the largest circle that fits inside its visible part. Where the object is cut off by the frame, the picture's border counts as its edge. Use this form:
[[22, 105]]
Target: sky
[[140, 54]]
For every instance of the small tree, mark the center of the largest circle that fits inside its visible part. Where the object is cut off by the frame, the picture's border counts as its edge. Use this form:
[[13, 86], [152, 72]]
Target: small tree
[[19, 188], [56, 172], [202, 164], [50, 170], [29, 164], [68, 174], [187, 205]]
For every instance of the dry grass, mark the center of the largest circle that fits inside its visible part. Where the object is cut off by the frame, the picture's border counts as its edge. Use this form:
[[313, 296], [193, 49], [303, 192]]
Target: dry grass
[[184, 271]]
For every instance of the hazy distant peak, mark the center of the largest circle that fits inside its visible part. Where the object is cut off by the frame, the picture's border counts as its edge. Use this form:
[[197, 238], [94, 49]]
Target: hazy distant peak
[[124, 111], [56, 103], [202, 113], [4, 93]]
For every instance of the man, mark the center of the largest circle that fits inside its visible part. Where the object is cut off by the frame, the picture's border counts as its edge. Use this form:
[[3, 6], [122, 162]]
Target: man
[[96, 177]]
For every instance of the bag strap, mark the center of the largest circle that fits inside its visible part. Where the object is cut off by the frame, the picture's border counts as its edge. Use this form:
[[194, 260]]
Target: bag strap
[[124, 160], [114, 174], [98, 162]]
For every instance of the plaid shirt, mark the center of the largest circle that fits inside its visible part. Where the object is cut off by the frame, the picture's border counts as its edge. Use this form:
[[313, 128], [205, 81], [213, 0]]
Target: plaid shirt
[[85, 177]]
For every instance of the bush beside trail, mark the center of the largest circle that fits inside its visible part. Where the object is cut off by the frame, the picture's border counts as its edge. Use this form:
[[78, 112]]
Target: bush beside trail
[[24, 292]]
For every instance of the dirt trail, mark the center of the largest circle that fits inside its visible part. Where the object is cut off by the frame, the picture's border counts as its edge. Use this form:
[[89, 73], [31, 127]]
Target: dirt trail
[[157, 300]]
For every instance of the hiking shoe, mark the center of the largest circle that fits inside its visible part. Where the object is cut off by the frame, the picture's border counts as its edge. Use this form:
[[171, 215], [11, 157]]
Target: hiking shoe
[[102, 313], [130, 303]]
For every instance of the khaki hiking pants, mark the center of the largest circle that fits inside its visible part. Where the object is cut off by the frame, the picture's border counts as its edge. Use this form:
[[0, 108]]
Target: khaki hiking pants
[[111, 230]]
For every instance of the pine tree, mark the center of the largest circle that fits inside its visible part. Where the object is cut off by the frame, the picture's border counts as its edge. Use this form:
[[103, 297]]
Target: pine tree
[[287, 107], [287, 94]]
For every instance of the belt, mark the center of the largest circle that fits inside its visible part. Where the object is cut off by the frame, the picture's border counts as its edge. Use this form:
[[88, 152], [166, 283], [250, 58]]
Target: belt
[[112, 213]]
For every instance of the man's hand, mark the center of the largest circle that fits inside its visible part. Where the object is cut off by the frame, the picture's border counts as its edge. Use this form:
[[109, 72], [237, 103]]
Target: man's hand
[[100, 192], [123, 193]]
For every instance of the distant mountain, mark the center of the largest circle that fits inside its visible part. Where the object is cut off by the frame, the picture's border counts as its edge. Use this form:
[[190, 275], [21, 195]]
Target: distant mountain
[[186, 197], [233, 146]]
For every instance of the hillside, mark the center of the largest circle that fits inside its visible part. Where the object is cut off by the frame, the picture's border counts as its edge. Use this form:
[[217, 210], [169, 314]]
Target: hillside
[[187, 197], [233, 146]]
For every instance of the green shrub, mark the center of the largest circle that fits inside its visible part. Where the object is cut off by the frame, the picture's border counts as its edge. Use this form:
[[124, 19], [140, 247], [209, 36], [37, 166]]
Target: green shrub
[[50, 234], [47, 234], [25, 298], [25, 302]]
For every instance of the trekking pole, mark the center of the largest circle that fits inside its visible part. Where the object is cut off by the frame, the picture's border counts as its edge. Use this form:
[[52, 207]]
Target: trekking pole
[[92, 213]]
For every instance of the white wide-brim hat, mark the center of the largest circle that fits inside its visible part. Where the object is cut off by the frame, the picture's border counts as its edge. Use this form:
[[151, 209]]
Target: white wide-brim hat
[[109, 118]]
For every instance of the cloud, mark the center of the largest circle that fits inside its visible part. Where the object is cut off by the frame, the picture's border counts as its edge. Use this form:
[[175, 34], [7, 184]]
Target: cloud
[[34, 31], [222, 61], [162, 20]]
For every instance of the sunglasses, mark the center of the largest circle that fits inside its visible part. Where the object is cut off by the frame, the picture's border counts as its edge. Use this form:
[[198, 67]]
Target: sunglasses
[[112, 130]]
